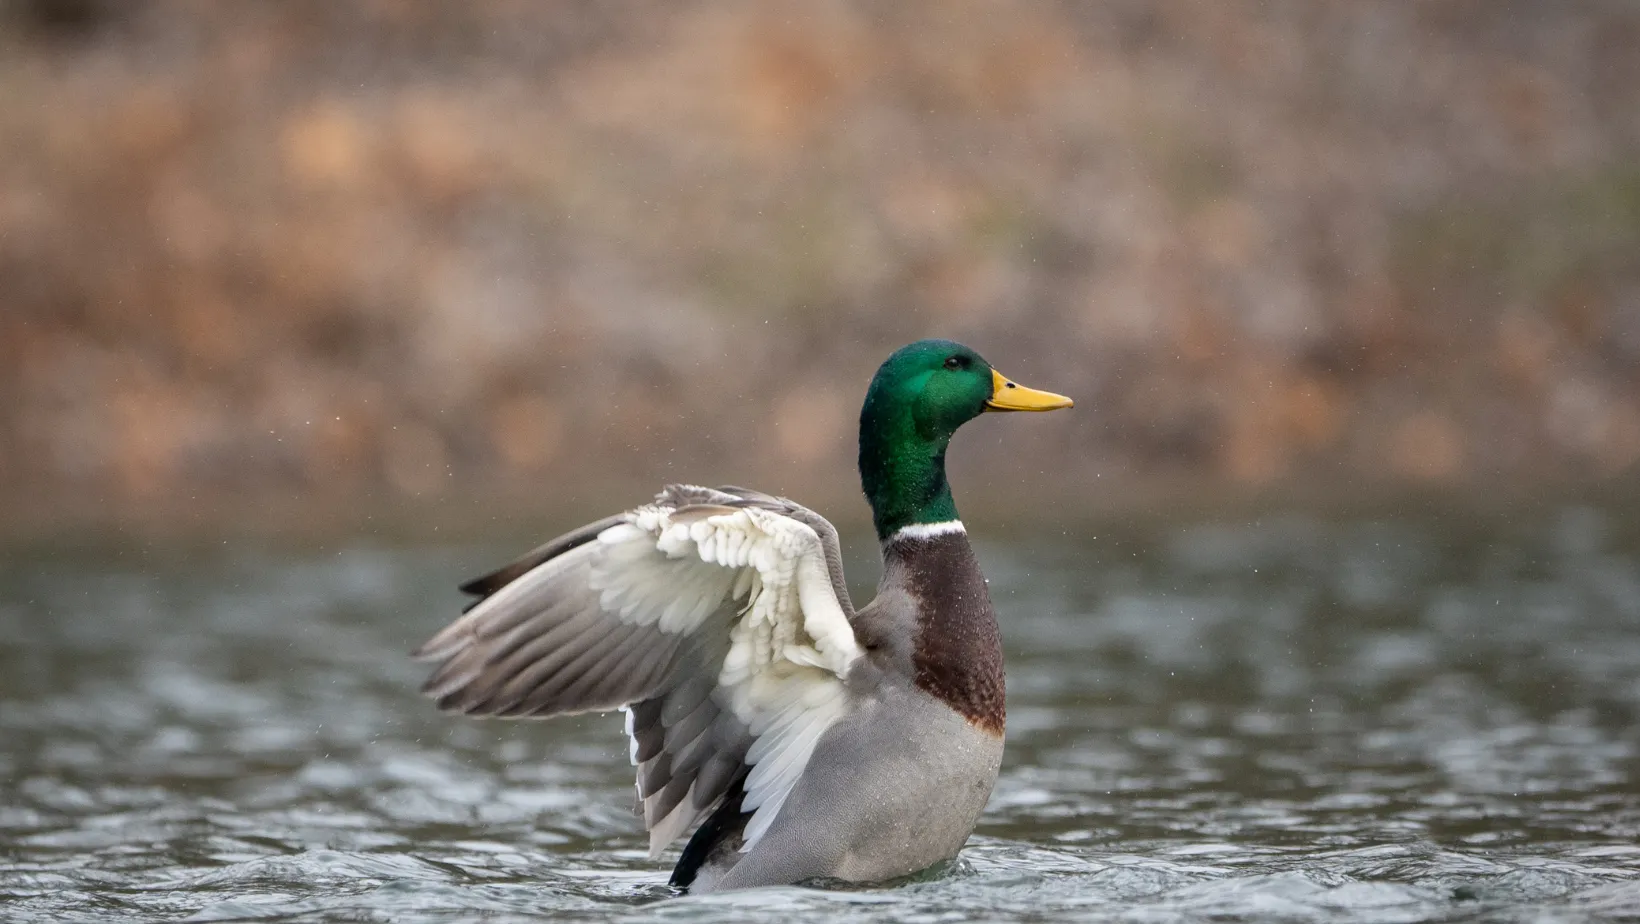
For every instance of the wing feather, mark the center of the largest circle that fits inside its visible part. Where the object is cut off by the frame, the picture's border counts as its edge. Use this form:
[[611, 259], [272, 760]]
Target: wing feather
[[642, 665], [718, 618], [692, 726], [532, 694], [539, 658], [643, 726], [512, 571]]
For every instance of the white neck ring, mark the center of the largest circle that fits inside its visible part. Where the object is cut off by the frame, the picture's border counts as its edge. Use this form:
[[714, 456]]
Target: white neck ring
[[928, 530]]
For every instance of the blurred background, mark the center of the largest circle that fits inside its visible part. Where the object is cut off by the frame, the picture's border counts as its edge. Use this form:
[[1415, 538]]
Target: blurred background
[[312, 257]]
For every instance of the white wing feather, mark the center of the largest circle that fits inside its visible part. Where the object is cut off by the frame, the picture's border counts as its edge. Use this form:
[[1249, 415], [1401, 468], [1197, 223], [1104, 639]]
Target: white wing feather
[[789, 650]]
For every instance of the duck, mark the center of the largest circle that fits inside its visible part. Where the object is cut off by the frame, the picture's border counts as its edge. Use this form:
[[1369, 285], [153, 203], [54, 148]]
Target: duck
[[799, 737]]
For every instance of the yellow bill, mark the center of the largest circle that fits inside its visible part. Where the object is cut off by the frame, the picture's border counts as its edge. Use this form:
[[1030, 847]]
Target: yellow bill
[[1011, 396]]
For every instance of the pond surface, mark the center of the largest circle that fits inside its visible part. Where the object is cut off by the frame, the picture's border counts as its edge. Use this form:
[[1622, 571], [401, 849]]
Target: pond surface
[[1417, 718]]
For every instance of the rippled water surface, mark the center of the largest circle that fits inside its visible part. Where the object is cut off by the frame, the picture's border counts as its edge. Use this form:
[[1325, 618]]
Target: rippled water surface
[[1419, 718]]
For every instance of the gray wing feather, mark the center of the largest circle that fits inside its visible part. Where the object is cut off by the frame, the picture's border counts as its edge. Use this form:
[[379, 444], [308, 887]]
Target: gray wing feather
[[518, 567], [536, 643]]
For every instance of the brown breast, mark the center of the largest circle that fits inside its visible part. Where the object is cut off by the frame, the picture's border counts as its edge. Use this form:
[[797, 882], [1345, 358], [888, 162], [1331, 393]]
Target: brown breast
[[957, 654]]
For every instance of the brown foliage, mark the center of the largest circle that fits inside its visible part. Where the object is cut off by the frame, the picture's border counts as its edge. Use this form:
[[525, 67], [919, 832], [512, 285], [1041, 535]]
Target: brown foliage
[[334, 246]]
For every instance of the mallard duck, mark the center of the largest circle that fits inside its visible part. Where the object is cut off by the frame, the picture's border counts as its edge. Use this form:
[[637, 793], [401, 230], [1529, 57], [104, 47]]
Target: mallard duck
[[807, 738]]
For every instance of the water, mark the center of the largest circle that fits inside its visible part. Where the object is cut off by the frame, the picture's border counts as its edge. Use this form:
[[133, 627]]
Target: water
[[1288, 719]]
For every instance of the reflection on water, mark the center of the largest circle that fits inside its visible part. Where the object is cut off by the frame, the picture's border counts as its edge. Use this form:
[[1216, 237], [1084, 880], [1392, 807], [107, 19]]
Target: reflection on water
[[1398, 720]]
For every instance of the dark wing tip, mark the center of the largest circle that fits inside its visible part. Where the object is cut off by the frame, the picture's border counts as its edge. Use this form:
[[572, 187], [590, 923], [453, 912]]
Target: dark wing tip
[[487, 584], [434, 687], [449, 702]]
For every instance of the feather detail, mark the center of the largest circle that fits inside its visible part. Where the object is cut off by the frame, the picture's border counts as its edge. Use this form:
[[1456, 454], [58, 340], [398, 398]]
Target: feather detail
[[788, 651], [719, 621]]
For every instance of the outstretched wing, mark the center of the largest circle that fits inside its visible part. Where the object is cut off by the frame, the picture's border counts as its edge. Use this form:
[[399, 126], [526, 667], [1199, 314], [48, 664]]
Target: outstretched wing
[[718, 618]]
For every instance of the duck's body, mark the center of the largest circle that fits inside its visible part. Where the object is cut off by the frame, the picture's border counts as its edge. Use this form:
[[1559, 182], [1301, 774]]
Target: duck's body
[[808, 739], [898, 782]]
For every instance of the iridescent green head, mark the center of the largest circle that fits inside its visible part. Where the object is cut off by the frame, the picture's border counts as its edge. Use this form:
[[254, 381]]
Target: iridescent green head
[[917, 400]]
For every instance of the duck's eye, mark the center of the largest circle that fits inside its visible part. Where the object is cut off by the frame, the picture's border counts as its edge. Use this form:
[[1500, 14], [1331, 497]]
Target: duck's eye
[[955, 362]]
